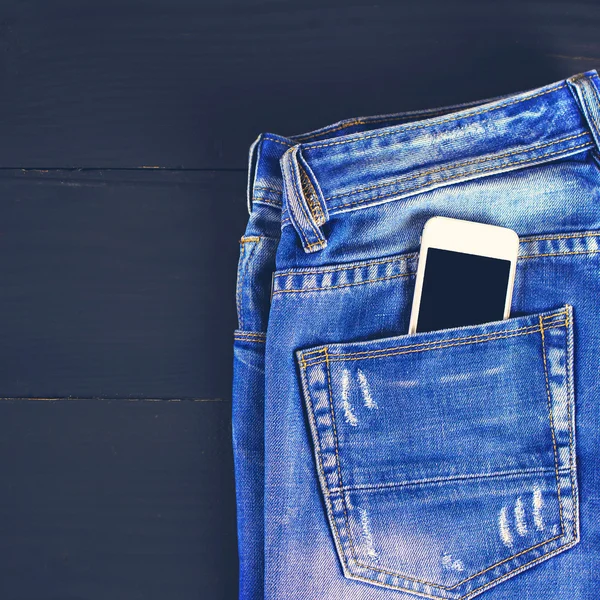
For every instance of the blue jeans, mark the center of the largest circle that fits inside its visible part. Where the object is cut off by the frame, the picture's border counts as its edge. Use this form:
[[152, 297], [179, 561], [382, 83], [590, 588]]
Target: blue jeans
[[376, 465]]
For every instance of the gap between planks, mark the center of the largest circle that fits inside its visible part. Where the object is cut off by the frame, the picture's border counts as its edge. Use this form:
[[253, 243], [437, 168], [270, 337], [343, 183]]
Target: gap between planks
[[59, 399], [106, 169]]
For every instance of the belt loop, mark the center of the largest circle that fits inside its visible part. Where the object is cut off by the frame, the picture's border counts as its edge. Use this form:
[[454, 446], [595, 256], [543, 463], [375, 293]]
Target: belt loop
[[586, 91], [253, 155], [304, 199]]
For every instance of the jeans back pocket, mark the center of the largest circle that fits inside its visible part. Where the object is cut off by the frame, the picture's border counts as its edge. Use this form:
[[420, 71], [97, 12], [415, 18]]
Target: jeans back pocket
[[447, 459]]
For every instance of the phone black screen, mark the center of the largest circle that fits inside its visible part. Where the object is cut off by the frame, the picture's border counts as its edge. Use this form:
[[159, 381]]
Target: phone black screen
[[461, 289]]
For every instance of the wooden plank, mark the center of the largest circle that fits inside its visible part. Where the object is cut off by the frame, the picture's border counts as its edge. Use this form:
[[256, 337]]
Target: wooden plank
[[189, 83], [118, 284], [116, 499]]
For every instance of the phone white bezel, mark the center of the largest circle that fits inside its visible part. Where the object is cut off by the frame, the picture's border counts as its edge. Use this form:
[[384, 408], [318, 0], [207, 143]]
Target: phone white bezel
[[471, 238]]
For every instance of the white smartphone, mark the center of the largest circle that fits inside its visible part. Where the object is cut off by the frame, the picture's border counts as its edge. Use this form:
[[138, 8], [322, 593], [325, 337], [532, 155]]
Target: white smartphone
[[465, 274]]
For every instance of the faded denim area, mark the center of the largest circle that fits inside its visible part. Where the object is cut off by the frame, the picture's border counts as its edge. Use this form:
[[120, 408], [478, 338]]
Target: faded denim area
[[376, 465]]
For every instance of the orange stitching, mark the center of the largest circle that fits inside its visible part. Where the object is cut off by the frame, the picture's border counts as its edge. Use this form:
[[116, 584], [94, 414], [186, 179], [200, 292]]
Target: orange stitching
[[314, 205], [320, 244], [341, 482], [570, 395], [286, 144], [249, 339], [413, 255], [443, 343], [438, 347], [472, 576], [427, 482], [458, 116], [559, 236], [308, 216], [551, 317], [311, 352], [562, 528], [323, 477], [486, 158], [398, 575], [408, 116], [349, 266], [245, 240], [326, 355], [251, 333], [267, 201], [309, 136], [337, 456], [519, 569], [300, 228], [397, 587], [412, 115], [240, 333], [458, 176], [333, 287], [559, 254]]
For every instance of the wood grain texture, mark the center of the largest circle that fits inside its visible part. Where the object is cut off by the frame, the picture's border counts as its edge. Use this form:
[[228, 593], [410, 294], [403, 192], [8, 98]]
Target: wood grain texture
[[115, 499], [190, 83], [118, 284]]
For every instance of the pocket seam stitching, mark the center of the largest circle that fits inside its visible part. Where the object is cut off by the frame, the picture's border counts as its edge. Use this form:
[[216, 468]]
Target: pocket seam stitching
[[433, 481], [551, 317], [551, 416], [320, 468], [349, 530], [539, 328], [435, 345]]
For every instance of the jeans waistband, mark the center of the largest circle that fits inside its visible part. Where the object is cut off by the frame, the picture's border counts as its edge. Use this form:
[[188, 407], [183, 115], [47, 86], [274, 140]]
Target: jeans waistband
[[329, 171]]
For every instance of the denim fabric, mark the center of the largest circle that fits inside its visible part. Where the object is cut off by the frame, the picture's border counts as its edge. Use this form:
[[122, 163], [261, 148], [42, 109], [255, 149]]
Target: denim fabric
[[376, 465]]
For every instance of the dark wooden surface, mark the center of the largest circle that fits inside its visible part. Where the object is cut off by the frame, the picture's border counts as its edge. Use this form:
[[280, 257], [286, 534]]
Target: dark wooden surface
[[117, 280]]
